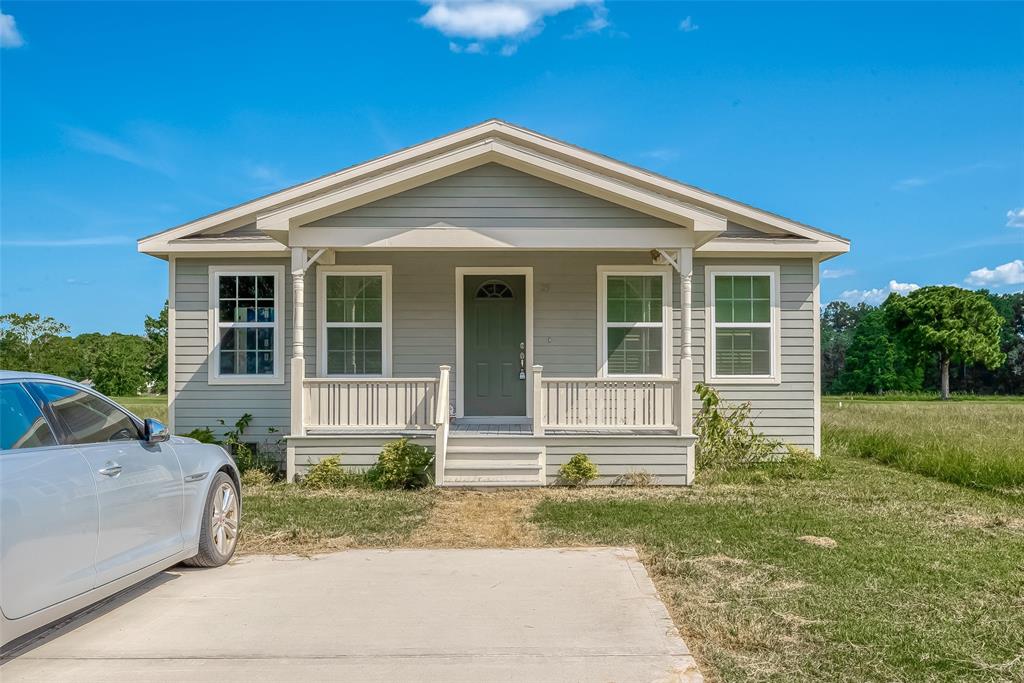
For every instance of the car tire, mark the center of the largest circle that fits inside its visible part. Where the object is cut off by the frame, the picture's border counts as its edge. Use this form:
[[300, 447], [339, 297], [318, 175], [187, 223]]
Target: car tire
[[219, 526]]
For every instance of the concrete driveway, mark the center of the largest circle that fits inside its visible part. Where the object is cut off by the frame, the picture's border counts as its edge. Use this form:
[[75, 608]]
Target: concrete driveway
[[377, 615]]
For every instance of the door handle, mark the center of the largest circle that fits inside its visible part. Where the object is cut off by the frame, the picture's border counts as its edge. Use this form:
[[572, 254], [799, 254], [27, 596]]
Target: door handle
[[111, 470]]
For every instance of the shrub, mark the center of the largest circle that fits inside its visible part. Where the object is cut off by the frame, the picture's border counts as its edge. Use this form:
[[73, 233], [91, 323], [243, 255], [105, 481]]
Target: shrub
[[636, 478], [725, 434], [402, 465], [326, 474], [202, 435], [578, 471]]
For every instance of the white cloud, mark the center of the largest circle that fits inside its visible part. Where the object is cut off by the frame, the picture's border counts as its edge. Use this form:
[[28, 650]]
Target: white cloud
[[265, 175], [97, 143], [9, 35], [474, 48], [687, 25], [512, 21], [915, 182], [98, 241], [1011, 273], [1015, 218], [879, 294], [834, 273], [902, 288], [664, 154]]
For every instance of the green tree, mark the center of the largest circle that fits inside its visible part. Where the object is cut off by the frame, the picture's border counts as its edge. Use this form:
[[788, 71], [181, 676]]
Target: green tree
[[22, 336], [156, 342], [120, 368], [947, 322], [839, 320], [876, 362]]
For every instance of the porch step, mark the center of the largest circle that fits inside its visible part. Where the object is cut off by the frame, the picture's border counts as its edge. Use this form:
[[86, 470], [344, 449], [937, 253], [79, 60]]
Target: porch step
[[480, 465]]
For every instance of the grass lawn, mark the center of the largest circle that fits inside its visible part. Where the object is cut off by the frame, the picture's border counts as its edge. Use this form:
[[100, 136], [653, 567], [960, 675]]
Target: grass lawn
[[858, 571], [925, 581], [971, 443], [145, 406]]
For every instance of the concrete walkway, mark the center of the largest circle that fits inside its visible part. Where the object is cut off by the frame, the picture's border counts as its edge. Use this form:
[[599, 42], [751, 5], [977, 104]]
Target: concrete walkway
[[377, 615]]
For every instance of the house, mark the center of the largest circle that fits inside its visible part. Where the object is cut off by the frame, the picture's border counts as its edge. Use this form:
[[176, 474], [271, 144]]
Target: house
[[501, 296]]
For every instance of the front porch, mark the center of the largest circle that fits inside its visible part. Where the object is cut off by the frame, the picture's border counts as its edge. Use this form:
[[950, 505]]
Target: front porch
[[511, 420]]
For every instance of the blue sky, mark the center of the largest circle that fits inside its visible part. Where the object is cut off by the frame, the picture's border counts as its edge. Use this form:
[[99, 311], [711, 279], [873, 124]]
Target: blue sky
[[898, 126]]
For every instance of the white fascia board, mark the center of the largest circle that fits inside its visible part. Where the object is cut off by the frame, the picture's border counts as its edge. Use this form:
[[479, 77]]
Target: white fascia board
[[771, 249], [214, 246]]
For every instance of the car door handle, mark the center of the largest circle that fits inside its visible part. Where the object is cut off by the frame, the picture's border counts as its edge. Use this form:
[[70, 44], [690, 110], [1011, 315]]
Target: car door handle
[[111, 470]]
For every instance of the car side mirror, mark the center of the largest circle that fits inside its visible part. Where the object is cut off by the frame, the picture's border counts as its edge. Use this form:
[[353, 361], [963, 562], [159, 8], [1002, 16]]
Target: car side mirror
[[156, 431]]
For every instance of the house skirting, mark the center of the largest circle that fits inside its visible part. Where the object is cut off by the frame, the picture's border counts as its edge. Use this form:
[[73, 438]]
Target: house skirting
[[667, 457]]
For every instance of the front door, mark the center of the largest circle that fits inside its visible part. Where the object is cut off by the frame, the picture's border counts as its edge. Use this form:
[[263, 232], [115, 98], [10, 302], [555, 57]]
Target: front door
[[495, 345]]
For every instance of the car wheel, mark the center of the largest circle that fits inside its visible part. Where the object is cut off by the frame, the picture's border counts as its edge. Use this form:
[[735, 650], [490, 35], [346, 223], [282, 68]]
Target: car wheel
[[218, 534]]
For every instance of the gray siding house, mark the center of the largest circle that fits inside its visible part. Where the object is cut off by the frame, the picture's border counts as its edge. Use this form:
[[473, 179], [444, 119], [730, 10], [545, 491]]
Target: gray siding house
[[503, 297]]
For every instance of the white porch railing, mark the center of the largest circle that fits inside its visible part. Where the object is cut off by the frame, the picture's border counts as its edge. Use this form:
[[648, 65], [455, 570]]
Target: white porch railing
[[604, 403], [377, 403]]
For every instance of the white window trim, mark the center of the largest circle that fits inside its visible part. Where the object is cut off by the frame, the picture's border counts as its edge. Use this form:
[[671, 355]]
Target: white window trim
[[322, 273], [775, 352], [213, 361], [603, 273]]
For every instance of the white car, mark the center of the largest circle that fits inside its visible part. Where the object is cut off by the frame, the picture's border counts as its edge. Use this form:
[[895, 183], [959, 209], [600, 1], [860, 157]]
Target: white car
[[94, 500]]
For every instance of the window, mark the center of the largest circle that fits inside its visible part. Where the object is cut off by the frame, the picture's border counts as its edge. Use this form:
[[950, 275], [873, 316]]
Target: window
[[87, 418], [21, 423], [353, 308], [743, 323], [636, 312], [494, 289], [246, 328]]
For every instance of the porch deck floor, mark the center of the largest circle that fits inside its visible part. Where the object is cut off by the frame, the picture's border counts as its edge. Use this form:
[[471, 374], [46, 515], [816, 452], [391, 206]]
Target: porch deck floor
[[526, 429], [476, 429]]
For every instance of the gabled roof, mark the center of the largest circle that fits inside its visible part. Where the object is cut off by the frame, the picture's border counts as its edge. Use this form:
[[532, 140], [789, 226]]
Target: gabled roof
[[707, 214]]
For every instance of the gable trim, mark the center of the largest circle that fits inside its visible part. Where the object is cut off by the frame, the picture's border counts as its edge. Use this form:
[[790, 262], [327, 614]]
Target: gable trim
[[609, 168], [477, 154]]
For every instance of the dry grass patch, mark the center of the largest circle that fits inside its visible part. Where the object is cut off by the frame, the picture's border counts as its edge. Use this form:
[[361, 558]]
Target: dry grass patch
[[288, 519]]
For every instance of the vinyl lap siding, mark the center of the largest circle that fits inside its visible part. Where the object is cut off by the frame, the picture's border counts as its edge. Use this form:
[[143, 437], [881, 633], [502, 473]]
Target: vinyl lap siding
[[784, 411], [565, 333], [198, 404], [492, 196], [660, 456]]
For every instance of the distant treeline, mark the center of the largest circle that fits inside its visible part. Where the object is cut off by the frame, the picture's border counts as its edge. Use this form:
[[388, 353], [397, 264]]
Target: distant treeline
[[901, 346], [118, 364], [871, 349]]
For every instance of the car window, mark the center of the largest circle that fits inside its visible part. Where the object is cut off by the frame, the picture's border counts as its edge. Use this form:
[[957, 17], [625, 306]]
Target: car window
[[21, 423], [87, 418]]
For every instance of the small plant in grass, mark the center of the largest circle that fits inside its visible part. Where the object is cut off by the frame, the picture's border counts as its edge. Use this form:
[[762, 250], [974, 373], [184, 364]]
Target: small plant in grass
[[327, 474], [725, 434], [247, 455], [636, 478], [402, 465], [578, 471], [257, 479]]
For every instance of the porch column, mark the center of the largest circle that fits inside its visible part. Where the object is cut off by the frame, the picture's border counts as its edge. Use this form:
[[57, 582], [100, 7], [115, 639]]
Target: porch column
[[298, 362], [686, 356], [686, 350]]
